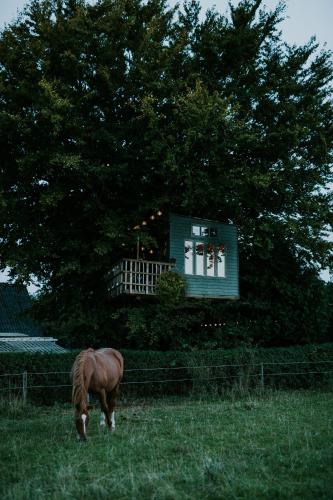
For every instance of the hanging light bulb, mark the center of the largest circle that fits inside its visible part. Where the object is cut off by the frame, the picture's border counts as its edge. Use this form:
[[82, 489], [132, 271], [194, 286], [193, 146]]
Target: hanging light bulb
[[159, 213], [144, 223], [152, 217], [151, 251]]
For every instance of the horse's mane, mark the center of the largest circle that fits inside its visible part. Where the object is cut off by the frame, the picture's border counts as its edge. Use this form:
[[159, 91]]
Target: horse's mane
[[79, 392]]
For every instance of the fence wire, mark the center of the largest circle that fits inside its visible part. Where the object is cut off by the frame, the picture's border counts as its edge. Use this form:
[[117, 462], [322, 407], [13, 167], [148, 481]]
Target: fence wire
[[37, 385]]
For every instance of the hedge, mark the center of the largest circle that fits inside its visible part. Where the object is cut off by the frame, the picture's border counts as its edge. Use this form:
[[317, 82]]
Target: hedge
[[185, 372]]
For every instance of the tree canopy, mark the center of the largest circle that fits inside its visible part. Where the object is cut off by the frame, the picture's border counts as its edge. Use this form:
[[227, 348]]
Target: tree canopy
[[112, 110]]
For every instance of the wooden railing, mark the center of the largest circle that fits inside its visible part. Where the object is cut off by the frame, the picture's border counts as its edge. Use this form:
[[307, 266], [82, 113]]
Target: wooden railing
[[136, 277]]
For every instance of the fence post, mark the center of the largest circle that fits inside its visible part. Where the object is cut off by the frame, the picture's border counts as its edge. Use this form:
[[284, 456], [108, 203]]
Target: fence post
[[262, 380], [24, 387]]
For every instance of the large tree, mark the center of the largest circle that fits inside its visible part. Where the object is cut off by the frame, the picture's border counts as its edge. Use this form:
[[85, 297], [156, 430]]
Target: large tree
[[112, 110]]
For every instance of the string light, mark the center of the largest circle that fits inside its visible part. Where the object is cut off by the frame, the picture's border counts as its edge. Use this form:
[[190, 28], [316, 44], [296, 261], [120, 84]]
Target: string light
[[212, 324], [139, 227]]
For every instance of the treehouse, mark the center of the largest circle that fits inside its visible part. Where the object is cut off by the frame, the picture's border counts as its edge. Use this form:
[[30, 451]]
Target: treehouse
[[205, 252]]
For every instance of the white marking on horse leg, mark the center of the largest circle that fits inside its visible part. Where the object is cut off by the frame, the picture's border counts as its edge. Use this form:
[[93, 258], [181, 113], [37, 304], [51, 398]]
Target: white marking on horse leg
[[84, 418], [113, 421], [102, 422]]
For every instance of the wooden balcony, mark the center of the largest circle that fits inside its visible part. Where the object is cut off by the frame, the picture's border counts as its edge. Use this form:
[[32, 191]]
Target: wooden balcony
[[136, 277]]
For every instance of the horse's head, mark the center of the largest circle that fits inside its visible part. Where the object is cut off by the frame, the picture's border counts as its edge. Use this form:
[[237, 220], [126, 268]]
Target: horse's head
[[81, 422]]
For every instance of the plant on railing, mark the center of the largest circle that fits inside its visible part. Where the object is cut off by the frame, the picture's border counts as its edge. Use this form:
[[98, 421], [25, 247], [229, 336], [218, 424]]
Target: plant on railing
[[170, 287]]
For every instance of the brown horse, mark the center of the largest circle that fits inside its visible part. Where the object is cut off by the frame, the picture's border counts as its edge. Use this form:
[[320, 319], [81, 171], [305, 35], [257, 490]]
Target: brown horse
[[100, 373]]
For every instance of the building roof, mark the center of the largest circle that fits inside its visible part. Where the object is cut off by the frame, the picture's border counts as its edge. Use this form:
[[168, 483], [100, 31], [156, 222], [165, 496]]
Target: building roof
[[30, 344], [15, 303], [18, 332]]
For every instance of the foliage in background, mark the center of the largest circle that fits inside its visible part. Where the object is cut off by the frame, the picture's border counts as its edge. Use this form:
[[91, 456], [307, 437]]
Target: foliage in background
[[38, 362], [170, 288], [111, 111], [274, 315], [186, 372]]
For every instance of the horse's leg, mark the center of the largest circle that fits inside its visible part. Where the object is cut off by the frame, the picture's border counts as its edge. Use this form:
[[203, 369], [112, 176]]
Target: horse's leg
[[104, 407], [102, 422], [111, 399]]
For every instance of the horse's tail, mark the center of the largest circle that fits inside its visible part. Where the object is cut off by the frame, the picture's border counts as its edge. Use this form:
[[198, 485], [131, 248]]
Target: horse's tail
[[80, 386]]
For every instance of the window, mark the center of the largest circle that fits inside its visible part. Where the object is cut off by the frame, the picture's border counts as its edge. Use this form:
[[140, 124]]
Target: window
[[210, 260], [221, 261], [200, 231], [188, 257], [196, 230], [199, 258], [204, 259]]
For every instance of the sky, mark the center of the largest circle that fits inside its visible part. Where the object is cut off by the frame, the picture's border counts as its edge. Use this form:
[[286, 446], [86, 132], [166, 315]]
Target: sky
[[303, 19]]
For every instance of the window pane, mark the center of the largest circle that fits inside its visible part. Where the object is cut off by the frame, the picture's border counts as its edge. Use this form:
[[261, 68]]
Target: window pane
[[199, 258], [213, 231], [221, 261], [196, 230], [188, 257], [210, 260], [204, 231]]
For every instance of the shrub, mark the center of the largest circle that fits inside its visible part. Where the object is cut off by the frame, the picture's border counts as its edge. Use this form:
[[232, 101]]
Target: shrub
[[197, 371], [170, 288]]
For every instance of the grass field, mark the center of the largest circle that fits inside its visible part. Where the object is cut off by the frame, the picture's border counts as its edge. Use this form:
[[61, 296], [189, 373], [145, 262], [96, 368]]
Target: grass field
[[275, 446]]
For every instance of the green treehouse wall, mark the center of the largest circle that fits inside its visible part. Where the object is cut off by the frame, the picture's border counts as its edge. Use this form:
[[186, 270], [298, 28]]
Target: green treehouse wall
[[202, 238]]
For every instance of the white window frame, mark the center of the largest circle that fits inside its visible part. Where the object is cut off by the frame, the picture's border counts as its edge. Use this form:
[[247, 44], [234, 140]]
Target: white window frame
[[192, 263]]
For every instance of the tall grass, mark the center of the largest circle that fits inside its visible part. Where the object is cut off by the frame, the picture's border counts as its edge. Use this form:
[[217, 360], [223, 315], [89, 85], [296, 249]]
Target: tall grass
[[275, 446]]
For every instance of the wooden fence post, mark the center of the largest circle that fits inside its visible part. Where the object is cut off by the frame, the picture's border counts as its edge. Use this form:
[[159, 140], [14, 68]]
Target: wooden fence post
[[24, 387]]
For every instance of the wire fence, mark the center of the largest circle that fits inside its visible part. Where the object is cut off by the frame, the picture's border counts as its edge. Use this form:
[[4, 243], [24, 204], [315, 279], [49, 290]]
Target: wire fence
[[54, 386]]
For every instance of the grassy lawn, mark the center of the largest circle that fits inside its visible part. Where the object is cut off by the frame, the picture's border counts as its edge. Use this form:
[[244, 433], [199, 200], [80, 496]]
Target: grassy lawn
[[276, 446]]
